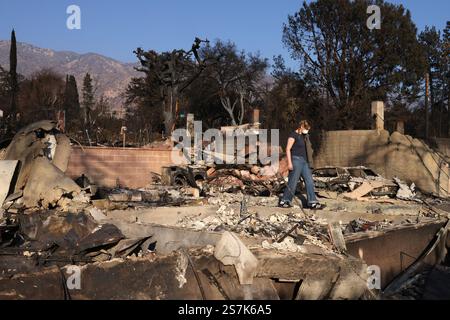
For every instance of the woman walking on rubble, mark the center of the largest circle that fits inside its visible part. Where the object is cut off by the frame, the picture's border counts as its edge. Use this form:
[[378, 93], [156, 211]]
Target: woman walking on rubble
[[299, 156]]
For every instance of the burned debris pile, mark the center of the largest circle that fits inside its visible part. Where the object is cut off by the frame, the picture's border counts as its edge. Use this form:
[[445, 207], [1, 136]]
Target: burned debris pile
[[45, 217], [275, 228], [358, 183], [249, 180], [350, 183], [49, 238], [36, 159], [50, 222], [207, 231]]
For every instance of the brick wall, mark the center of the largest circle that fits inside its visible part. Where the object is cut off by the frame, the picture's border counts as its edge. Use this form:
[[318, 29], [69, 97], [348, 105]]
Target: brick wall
[[131, 167]]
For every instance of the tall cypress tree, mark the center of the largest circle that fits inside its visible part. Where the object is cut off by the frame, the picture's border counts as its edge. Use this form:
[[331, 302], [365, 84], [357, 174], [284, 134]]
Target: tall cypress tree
[[430, 39], [14, 86], [72, 103], [88, 98]]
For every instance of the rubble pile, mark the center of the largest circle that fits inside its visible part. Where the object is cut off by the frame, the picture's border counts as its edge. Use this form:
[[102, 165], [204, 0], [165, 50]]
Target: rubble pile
[[253, 180], [46, 217], [221, 198], [287, 245], [349, 183], [49, 221], [156, 196], [45, 238], [38, 157], [358, 183], [293, 226], [361, 225]]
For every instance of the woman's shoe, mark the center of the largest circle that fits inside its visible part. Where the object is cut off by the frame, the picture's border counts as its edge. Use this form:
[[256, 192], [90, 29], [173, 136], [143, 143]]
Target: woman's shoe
[[284, 204], [317, 206]]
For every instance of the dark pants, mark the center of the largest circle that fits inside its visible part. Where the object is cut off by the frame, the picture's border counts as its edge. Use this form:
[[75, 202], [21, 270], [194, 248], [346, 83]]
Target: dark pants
[[301, 168]]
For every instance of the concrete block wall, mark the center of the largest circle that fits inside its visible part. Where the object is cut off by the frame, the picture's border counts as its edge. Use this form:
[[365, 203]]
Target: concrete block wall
[[443, 146], [390, 155], [393, 155], [131, 167], [348, 148]]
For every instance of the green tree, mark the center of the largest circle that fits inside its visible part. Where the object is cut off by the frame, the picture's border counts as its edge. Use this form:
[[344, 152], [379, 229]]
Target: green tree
[[4, 89], [4, 101], [349, 64], [446, 61], [433, 47], [144, 100], [13, 78], [72, 104], [291, 99], [88, 102]]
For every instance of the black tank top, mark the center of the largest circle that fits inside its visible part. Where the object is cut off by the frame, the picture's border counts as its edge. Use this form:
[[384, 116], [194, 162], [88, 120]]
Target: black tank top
[[299, 147]]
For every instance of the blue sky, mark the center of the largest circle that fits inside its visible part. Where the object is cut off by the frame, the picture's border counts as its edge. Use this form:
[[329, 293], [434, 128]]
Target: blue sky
[[116, 28]]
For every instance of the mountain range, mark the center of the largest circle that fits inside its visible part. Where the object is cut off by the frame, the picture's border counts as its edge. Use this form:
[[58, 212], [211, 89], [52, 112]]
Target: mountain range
[[111, 77]]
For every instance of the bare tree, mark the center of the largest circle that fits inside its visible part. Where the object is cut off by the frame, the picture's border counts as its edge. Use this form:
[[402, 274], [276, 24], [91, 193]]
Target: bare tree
[[167, 75], [236, 75]]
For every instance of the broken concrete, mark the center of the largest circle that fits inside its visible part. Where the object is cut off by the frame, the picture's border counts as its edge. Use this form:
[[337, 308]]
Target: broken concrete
[[231, 251], [394, 249], [167, 239], [7, 172], [62, 152], [47, 185], [26, 145], [43, 153]]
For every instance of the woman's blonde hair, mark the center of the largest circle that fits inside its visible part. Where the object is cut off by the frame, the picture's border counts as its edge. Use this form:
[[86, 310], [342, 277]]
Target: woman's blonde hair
[[304, 124]]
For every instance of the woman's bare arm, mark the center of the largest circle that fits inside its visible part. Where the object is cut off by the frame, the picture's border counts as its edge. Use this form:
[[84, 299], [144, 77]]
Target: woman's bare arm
[[290, 143]]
